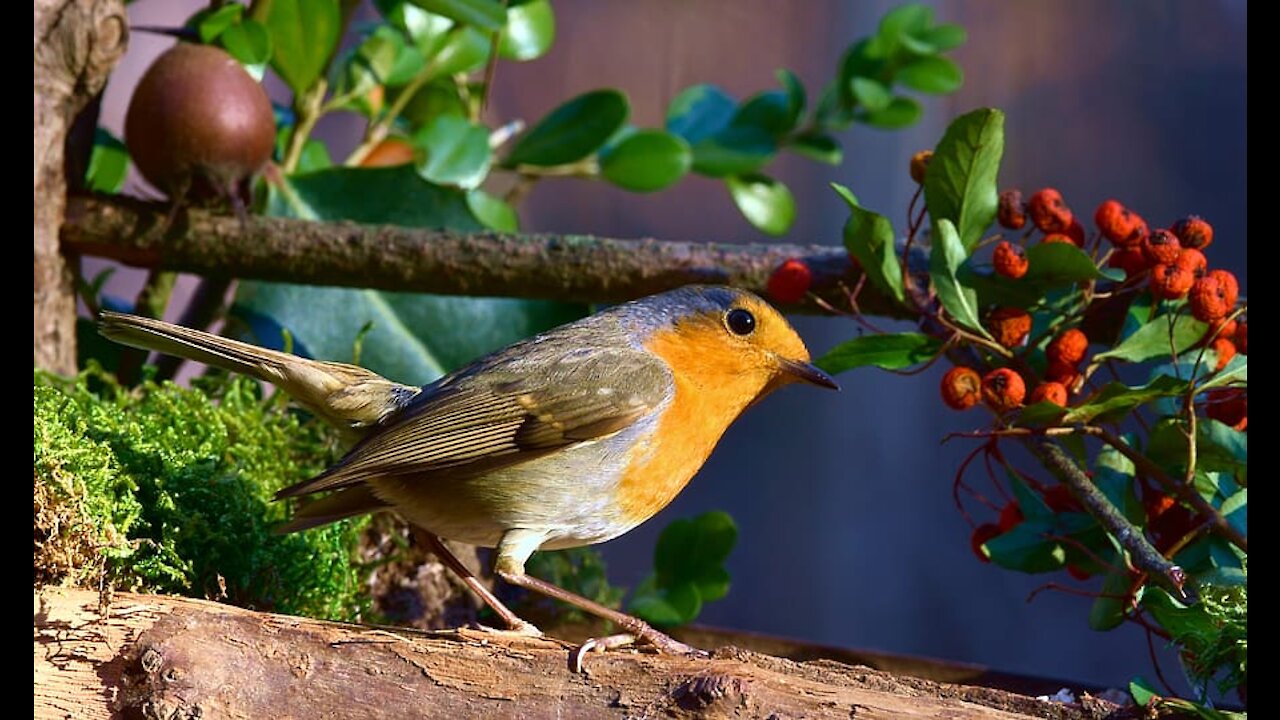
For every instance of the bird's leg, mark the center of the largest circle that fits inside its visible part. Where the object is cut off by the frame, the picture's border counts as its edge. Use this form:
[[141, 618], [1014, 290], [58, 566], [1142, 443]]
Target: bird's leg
[[513, 621], [636, 629]]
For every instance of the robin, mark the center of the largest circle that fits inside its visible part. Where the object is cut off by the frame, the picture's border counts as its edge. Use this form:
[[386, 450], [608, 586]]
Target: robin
[[569, 438]]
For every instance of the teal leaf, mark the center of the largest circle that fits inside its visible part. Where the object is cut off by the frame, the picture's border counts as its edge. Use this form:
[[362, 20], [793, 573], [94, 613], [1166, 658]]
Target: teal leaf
[[891, 351], [735, 150], [765, 202], [530, 32], [572, 131], [1025, 548], [699, 112], [961, 183], [304, 33], [945, 259], [456, 152], [769, 111], [646, 161], [869, 238], [817, 146]]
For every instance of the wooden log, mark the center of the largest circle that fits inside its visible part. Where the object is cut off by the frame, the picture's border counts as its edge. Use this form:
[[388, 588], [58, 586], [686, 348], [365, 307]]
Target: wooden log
[[167, 657]]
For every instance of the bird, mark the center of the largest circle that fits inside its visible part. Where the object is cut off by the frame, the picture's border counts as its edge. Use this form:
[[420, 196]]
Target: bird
[[571, 437]]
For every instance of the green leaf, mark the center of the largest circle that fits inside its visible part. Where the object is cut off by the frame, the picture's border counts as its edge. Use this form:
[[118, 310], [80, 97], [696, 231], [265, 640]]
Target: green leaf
[[817, 146], [1033, 507], [488, 15], [945, 259], [796, 98], [713, 584], [694, 549], [937, 39], [699, 112], [250, 44], [1108, 609], [902, 21], [901, 112], [1024, 548], [892, 351], [1113, 474], [765, 202], [1153, 339], [735, 150], [871, 94], [646, 161], [304, 33], [1052, 265], [494, 213], [572, 131], [931, 74], [1236, 510], [961, 183], [212, 22], [769, 111], [315, 156], [1143, 691], [457, 152], [869, 238], [1235, 373], [108, 163], [415, 337], [465, 49], [665, 607], [1041, 414], [1115, 400], [531, 29]]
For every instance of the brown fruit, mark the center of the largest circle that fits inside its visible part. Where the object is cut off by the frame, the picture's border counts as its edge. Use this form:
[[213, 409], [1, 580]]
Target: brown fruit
[[198, 117]]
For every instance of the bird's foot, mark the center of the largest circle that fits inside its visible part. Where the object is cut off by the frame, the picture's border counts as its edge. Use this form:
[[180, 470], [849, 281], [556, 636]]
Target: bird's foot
[[522, 629], [660, 642]]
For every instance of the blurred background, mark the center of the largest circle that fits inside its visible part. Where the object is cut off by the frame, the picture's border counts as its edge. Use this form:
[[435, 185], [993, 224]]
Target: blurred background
[[848, 533]]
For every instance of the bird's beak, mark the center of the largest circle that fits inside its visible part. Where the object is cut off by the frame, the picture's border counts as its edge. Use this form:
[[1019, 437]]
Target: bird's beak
[[806, 372]]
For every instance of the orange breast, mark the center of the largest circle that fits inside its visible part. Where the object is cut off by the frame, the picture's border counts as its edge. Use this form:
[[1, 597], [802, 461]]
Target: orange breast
[[711, 390]]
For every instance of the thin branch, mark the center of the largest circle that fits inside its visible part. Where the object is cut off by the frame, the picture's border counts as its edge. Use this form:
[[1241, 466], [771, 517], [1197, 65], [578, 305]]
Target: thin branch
[[576, 268]]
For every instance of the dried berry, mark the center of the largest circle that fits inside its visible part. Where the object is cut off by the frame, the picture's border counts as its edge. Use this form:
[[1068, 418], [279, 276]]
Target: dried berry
[[1225, 350], [1011, 213], [1068, 348], [1132, 260], [920, 163], [1009, 325], [1229, 285], [1048, 211], [1229, 406], [1161, 246], [1170, 282], [1194, 231], [1193, 261], [1209, 299], [1052, 392], [1119, 224], [790, 281], [980, 536], [1003, 389], [1010, 260], [961, 388]]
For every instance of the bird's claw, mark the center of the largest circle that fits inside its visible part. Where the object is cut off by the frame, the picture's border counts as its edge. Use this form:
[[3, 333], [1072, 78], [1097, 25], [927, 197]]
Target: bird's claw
[[660, 642]]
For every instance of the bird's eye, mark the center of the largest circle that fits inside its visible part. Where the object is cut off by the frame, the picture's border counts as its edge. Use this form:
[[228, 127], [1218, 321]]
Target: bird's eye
[[740, 322]]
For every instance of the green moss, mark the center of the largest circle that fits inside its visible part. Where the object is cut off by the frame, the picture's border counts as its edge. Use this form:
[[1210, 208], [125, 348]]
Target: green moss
[[166, 489]]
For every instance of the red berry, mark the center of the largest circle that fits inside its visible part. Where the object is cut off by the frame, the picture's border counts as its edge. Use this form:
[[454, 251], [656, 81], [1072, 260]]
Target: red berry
[[1048, 211], [961, 388], [1170, 282], [1229, 284], [1009, 325], [920, 163], [1157, 504], [1193, 261], [1068, 348], [1229, 406], [1003, 389], [1010, 260], [1132, 260], [1209, 299], [1221, 328], [1053, 392], [1225, 350], [1010, 516], [1063, 373], [1161, 246], [980, 536], [1011, 213], [1194, 231], [1058, 238], [790, 282], [1078, 572], [1119, 224]]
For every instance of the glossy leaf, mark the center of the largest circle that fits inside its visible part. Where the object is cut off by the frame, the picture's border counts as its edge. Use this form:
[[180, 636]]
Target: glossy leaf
[[869, 238], [961, 183], [646, 161], [1235, 373], [572, 131], [765, 202], [492, 212], [769, 111], [892, 351], [931, 74], [945, 259], [870, 94], [488, 15], [464, 49], [735, 150], [817, 146], [937, 39], [212, 22], [456, 152], [530, 31], [699, 112], [1158, 338], [1025, 548], [1053, 265], [108, 163], [304, 33], [250, 44]]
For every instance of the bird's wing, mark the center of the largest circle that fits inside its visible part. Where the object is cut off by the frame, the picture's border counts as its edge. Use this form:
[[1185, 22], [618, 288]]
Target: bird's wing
[[504, 415]]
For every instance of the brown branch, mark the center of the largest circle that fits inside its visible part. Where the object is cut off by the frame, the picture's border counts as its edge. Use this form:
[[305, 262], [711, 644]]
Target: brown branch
[[577, 268], [155, 656], [77, 42], [1145, 557]]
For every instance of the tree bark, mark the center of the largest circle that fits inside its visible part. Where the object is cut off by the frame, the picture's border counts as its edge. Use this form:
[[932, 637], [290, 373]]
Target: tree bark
[[554, 267], [77, 42], [167, 657]]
